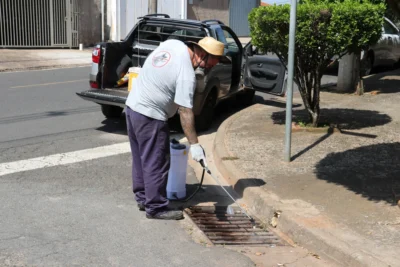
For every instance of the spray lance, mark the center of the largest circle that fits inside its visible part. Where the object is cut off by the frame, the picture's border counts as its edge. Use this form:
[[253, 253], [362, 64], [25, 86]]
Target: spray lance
[[206, 169]]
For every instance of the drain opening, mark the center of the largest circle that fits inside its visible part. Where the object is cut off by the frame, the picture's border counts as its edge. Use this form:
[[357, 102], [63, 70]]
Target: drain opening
[[230, 229]]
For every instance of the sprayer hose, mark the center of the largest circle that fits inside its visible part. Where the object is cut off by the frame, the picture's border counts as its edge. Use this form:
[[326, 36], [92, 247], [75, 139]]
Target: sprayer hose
[[195, 192]]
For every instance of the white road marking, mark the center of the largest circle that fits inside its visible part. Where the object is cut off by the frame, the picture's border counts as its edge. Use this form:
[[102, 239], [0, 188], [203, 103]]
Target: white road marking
[[64, 158], [47, 68], [70, 157], [44, 84]]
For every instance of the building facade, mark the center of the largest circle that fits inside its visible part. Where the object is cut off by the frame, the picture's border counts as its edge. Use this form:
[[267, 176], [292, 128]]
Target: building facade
[[68, 23]]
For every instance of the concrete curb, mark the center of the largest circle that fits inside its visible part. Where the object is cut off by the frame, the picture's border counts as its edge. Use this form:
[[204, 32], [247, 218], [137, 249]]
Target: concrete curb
[[316, 233]]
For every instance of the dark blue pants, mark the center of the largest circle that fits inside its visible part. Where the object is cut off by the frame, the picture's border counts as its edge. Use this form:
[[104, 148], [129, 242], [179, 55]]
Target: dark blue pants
[[149, 139]]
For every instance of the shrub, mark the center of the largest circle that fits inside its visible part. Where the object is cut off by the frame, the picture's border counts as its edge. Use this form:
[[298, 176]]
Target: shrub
[[324, 30]]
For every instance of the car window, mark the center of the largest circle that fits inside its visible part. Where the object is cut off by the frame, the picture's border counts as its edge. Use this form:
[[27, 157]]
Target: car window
[[225, 37], [388, 28], [154, 34], [253, 50]]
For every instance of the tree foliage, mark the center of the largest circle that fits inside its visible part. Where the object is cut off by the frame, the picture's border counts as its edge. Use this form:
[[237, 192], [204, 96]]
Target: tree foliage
[[324, 30], [392, 10]]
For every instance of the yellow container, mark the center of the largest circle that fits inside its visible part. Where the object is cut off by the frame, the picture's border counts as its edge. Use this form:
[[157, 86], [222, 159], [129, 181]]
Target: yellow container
[[133, 74]]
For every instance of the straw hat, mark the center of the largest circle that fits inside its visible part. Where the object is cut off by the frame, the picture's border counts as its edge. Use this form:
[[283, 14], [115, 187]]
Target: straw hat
[[211, 46]]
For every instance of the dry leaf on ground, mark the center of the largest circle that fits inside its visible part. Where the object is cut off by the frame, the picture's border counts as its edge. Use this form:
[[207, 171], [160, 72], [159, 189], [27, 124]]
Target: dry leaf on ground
[[375, 92]]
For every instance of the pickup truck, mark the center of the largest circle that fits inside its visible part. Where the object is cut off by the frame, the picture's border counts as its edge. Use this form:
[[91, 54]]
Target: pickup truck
[[240, 73]]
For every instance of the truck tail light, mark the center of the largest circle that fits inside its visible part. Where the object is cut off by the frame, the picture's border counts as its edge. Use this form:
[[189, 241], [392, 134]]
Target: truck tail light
[[96, 55], [94, 85]]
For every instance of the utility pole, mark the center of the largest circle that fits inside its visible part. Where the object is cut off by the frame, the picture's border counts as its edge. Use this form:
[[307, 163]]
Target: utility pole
[[289, 91], [152, 6], [102, 20]]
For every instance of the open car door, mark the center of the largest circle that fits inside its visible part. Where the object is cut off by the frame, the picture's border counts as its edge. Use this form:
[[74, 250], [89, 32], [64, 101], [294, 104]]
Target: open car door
[[262, 72]]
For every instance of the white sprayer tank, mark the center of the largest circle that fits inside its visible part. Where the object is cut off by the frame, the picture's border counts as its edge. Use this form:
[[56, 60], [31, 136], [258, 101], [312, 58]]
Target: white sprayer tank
[[176, 186]]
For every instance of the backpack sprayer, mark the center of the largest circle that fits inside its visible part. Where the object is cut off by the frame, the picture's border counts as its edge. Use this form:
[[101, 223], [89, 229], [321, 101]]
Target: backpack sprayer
[[178, 170]]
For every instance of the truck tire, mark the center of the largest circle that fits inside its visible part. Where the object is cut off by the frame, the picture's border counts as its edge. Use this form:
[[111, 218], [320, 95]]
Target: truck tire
[[367, 65], [111, 111], [203, 121]]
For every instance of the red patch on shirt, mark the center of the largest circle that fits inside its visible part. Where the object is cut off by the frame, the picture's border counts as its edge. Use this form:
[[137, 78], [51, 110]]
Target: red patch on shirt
[[161, 59]]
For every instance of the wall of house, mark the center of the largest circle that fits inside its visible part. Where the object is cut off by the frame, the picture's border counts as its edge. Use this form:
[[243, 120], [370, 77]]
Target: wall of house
[[121, 15], [89, 22], [238, 15], [206, 9], [128, 11]]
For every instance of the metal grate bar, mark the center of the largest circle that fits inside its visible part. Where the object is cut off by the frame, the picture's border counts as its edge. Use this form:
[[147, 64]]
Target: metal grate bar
[[57, 22], [75, 23], [17, 29], [230, 229], [3, 33], [244, 242], [1, 22], [38, 24], [23, 20], [11, 20]]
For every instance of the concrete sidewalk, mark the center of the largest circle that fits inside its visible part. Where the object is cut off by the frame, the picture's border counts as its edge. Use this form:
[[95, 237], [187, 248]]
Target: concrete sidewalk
[[31, 59], [211, 194], [339, 196]]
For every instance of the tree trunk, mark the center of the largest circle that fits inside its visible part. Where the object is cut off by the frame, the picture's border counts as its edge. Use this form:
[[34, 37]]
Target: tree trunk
[[359, 83], [315, 118], [314, 115], [310, 92], [312, 101]]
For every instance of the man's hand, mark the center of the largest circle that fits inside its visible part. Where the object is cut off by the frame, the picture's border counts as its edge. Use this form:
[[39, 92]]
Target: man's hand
[[198, 153]]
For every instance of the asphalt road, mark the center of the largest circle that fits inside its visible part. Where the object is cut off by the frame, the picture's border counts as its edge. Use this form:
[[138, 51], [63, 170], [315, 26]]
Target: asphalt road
[[65, 184]]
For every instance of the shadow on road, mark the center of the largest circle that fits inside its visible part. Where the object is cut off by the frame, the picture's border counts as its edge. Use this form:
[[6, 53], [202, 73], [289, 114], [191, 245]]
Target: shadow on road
[[224, 110], [48, 114], [115, 126], [273, 102], [383, 80], [213, 193], [344, 119], [371, 171], [385, 83]]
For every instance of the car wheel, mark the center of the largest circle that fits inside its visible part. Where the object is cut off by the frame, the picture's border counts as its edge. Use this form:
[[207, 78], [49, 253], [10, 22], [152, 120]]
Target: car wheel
[[111, 111], [204, 120], [367, 65], [246, 98]]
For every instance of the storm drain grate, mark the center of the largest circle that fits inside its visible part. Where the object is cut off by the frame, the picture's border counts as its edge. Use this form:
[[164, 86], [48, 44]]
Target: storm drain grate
[[230, 229]]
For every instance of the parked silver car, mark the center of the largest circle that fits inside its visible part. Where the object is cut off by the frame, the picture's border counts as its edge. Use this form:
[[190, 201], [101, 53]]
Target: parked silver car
[[386, 53]]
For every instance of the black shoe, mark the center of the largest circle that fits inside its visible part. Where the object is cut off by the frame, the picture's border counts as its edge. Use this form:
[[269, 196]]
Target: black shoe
[[167, 215], [141, 207]]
